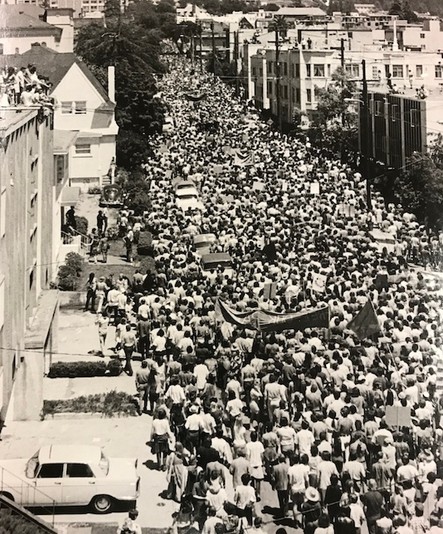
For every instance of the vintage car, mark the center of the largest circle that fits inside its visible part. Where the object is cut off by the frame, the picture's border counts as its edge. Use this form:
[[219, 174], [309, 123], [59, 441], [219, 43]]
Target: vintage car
[[187, 198], [111, 197], [383, 240], [217, 261], [70, 475], [203, 242]]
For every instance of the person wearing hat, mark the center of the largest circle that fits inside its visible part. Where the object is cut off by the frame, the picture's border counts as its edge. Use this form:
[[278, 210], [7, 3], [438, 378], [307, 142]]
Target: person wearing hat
[[310, 510]]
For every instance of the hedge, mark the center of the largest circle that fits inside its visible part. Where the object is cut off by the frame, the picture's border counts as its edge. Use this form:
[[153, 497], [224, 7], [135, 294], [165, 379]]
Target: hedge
[[84, 369], [114, 403]]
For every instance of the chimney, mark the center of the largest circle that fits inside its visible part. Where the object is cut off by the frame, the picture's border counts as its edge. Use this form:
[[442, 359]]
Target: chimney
[[111, 83]]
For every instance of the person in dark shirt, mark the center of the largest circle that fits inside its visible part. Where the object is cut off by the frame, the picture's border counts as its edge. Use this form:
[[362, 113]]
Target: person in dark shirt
[[343, 522], [206, 454], [373, 502], [332, 498]]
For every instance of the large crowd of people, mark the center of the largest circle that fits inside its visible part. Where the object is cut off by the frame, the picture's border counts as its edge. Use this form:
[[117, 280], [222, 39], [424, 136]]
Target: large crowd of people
[[328, 432]]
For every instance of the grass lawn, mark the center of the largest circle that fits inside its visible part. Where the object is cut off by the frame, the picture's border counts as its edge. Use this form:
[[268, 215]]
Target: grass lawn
[[105, 269]]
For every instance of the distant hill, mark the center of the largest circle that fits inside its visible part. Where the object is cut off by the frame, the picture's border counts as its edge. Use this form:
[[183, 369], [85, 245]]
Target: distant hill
[[435, 7]]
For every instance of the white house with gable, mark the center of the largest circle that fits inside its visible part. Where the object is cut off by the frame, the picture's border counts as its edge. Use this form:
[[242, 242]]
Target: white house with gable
[[82, 106]]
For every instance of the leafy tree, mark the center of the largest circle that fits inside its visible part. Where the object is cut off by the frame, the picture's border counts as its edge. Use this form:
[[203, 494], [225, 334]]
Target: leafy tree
[[419, 187], [112, 10], [436, 151], [271, 7], [332, 101], [403, 10]]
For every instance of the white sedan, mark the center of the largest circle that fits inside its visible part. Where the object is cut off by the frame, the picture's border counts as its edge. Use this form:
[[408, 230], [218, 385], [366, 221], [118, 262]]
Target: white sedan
[[70, 475], [187, 198]]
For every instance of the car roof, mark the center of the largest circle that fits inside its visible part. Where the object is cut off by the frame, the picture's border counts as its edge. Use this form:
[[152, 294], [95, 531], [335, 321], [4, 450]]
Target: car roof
[[187, 191], [216, 257], [176, 182], [69, 453], [378, 234], [203, 238]]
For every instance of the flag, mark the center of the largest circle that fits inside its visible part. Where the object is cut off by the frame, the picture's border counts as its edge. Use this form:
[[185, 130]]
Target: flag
[[243, 161], [319, 283], [269, 321], [365, 323]]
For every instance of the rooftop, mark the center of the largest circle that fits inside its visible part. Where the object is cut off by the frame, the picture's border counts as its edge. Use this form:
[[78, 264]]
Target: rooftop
[[53, 65], [11, 119], [15, 18]]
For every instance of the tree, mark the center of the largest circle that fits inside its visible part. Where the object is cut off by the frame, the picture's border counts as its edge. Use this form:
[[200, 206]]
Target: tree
[[403, 11], [332, 101], [112, 10], [419, 187]]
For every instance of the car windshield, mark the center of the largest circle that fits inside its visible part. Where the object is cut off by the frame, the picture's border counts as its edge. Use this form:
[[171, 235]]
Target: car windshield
[[190, 195], [32, 466], [217, 264], [104, 463]]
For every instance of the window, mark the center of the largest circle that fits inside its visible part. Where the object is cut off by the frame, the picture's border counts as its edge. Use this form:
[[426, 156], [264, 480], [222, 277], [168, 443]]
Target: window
[[419, 71], [291, 70], [438, 71], [66, 107], [374, 72], [319, 71], [285, 69], [395, 112], [422, 36], [297, 70], [293, 94], [60, 167], [308, 95], [269, 88], [354, 70], [379, 108], [83, 149], [79, 471], [397, 71], [254, 71], [308, 71], [415, 121], [3, 213], [1, 49], [297, 95], [80, 107], [270, 67], [285, 92], [51, 471]]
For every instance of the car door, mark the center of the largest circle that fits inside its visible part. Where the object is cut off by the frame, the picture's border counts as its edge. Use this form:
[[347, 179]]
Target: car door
[[79, 484], [49, 484]]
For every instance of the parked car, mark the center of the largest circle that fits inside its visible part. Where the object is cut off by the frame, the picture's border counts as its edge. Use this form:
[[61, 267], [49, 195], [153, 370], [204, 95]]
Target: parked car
[[187, 198], [70, 475], [216, 261], [112, 196], [203, 242], [383, 240]]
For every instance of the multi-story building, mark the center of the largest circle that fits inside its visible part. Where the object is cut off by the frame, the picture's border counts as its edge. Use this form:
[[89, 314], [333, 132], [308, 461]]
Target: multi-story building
[[83, 107], [399, 125], [22, 25], [304, 68], [28, 308]]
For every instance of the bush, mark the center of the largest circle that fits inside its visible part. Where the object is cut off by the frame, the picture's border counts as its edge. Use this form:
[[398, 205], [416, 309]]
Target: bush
[[107, 404], [77, 369], [113, 232], [75, 262], [144, 247], [114, 367], [68, 275], [82, 225]]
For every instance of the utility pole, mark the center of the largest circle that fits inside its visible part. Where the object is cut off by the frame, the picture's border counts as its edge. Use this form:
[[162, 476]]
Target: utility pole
[[365, 136], [192, 49], [277, 75], [236, 57], [342, 53], [213, 47], [200, 42]]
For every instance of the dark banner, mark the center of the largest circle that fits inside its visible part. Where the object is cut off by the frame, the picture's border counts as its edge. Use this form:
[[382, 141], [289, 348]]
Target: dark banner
[[268, 321]]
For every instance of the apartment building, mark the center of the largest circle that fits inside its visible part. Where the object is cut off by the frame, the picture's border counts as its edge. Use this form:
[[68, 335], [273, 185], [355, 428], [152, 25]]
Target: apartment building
[[28, 308]]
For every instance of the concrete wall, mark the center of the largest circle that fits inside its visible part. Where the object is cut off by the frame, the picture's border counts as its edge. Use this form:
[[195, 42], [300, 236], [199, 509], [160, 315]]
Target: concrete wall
[[14, 45], [26, 181]]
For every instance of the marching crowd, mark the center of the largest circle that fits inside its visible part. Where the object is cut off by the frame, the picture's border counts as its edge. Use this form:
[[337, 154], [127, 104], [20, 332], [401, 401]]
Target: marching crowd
[[297, 424]]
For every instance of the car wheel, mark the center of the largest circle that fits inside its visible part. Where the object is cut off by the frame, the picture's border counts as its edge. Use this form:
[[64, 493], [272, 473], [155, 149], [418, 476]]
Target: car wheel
[[102, 504], [7, 495]]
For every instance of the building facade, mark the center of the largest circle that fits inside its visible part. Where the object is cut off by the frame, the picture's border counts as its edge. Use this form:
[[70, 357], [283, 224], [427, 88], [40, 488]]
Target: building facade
[[28, 308]]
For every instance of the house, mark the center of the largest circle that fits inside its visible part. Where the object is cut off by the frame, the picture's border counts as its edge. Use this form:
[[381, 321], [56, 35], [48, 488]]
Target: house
[[28, 307], [23, 25], [83, 107]]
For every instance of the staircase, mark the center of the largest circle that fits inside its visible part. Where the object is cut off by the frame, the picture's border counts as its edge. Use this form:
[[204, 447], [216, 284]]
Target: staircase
[[12, 514]]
